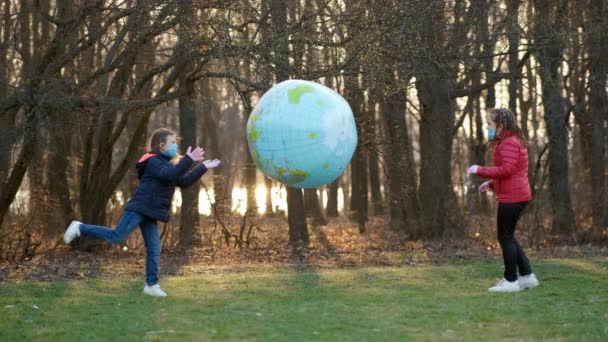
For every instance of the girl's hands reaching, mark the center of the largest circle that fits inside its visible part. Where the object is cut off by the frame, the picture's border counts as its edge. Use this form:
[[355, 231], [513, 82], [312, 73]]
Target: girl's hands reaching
[[485, 186], [210, 164], [473, 169], [196, 155]]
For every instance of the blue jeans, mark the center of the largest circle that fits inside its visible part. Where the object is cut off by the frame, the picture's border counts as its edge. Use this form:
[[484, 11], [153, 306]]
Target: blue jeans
[[128, 222]]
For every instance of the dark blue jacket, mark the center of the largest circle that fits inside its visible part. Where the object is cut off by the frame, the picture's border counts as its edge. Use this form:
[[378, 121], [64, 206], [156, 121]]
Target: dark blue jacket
[[157, 181]]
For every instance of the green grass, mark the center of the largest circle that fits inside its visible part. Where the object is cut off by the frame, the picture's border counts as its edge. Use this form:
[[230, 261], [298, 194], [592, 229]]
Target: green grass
[[430, 302]]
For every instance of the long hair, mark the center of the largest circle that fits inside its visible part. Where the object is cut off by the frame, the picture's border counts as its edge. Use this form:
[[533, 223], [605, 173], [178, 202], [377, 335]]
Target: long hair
[[505, 118], [159, 137]]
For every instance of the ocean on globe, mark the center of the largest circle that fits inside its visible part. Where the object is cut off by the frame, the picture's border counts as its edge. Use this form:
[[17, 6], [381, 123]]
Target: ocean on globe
[[302, 134]]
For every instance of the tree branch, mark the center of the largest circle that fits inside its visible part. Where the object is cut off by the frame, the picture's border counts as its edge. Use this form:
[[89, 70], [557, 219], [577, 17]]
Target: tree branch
[[478, 89]]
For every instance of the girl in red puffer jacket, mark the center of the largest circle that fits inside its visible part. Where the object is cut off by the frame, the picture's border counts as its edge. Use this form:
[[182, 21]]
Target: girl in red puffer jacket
[[509, 181]]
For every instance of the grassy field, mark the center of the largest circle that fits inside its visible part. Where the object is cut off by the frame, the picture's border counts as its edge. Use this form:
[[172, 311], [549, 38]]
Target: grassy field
[[429, 302]]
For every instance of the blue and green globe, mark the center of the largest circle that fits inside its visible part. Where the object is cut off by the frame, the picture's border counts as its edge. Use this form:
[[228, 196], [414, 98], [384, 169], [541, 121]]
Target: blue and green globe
[[302, 134]]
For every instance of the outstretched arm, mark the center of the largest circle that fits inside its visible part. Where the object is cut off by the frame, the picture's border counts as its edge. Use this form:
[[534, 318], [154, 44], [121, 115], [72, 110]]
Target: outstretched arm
[[166, 171], [192, 176], [197, 173]]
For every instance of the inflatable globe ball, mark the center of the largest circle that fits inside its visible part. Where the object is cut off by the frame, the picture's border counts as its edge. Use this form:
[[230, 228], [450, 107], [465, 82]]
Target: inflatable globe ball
[[302, 134]]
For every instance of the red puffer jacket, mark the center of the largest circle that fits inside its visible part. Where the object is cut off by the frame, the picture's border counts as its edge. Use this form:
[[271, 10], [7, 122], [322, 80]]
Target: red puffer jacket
[[510, 171]]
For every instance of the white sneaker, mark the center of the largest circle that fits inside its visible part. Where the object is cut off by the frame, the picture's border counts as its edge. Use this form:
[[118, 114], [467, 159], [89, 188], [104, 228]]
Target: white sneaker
[[528, 282], [505, 286], [72, 232], [154, 290]]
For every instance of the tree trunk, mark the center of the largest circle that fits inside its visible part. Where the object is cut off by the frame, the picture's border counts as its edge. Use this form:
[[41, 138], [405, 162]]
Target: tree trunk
[[296, 216], [597, 47], [61, 134], [549, 22], [298, 232], [401, 180], [190, 217], [250, 178], [7, 119], [480, 154], [513, 37], [35, 172], [93, 199], [345, 185], [7, 138], [332, 189], [375, 182], [313, 207], [146, 58], [478, 202], [222, 195], [250, 170], [98, 182], [375, 131], [530, 106], [435, 72], [477, 152], [332, 199], [488, 49], [353, 94], [403, 203], [9, 188], [268, 185], [440, 216], [358, 165], [189, 231]]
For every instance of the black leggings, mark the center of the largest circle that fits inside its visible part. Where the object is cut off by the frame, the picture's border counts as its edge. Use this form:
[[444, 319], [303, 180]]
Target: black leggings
[[512, 253]]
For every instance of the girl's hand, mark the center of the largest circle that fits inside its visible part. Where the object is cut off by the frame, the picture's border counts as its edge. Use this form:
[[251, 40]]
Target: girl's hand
[[210, 164], [196, 155], [473, 169], [485, 186]]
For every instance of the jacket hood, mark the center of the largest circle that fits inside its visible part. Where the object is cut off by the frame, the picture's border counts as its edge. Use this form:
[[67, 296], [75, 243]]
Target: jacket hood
[[140, 166]]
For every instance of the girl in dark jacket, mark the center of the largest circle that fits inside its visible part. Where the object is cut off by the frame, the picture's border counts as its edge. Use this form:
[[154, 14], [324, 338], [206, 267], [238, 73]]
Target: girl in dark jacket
[[509, 181], [152, 200]]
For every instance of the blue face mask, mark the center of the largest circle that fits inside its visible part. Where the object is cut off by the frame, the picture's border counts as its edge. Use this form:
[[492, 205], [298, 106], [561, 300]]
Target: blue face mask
[[172, 151], [491, 133]]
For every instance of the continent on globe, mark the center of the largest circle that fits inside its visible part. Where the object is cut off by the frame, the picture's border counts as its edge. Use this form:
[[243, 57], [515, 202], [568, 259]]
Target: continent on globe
[[302, 134]]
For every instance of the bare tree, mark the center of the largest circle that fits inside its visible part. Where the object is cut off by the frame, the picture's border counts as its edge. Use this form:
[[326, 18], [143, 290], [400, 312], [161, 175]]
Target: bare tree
[[298, 232], [550, 25], [190, 218], [597, 48]]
